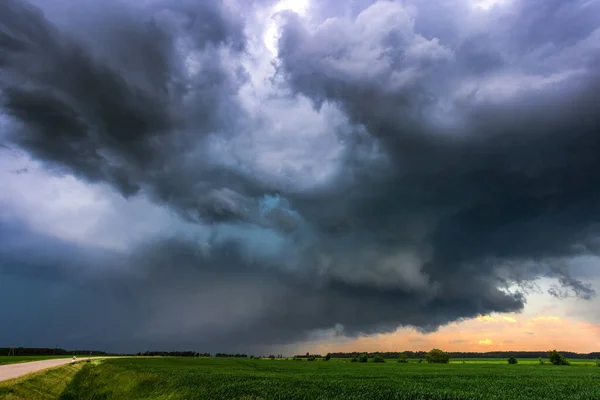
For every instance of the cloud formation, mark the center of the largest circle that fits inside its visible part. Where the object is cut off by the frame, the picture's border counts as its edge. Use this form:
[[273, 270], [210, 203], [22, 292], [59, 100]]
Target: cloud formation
[[393, 163]]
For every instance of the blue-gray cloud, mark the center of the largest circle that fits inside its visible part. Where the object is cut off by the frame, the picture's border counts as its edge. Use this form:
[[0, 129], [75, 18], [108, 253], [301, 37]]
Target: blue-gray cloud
[[467, 162]]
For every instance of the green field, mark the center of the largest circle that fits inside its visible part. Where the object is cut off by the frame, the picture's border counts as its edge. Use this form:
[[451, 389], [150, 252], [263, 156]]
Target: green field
[[210, 378], [20, 359], [575, 362]]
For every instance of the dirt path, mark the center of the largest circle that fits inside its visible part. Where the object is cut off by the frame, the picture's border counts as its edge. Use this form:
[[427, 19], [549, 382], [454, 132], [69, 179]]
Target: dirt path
[[11, 371]]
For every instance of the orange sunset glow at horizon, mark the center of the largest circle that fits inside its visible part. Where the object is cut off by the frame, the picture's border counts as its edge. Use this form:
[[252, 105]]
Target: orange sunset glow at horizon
[[546, 323]]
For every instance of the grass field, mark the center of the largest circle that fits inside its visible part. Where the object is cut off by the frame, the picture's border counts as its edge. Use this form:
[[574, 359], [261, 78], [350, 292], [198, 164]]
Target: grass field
[[20, 359], [43, 385], [574, 362], [209, 378]]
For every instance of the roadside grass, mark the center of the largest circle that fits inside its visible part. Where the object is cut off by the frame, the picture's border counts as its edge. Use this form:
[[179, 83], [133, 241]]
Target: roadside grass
[[209, 378], [43, 385]]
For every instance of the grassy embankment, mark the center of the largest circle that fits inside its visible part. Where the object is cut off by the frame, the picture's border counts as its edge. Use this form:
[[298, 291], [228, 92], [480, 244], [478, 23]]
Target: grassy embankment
[[42, 385], [191, 378]]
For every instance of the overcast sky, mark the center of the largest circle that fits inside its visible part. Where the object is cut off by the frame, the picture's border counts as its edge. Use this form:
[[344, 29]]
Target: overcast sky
[[236, 175]]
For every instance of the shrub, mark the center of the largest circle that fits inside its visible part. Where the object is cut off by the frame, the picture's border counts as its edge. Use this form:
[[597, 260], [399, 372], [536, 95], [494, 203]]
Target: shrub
[[437, 356], [402, 358], [420, 360], [557, 359], [327, 357], [597, 362], [363, 358], [311, 358], [378, 359], [354, 359], [512, 360]]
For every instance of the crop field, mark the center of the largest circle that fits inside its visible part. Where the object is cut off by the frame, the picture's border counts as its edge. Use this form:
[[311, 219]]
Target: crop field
[[243, 379], [487, 361]]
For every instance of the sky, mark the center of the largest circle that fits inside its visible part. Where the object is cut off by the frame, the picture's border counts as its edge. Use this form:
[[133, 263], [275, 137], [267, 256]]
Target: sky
[[292, 176]]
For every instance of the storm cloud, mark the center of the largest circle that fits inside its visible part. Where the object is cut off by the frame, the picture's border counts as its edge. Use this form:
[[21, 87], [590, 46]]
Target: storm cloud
[[389, 164]]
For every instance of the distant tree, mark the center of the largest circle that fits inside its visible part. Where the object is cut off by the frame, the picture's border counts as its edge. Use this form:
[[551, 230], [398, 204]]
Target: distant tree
[[354, 359], [271, 356], [420, 360], [402, 358], [377, 358], [437, 356], [363, 358], [327, 357], [512, 360], [556, 359], [597, 362], [311, 358], [542, 362]]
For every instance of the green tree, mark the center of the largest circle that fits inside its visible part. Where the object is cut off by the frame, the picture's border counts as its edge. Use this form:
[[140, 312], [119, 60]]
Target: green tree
[[363, 358], [327, 357], [402, 358], [378, 358], [437, 356], [512, 360], [557, 359]]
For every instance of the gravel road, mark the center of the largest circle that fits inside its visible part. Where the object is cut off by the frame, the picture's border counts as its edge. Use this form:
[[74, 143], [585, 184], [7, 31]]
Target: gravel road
[[11, 371]]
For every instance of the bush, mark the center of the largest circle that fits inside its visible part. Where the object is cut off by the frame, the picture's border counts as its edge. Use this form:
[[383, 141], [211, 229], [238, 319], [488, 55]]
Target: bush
[[437, 356], [597, 362], [512, 360], [311, 358], [557, 359], [363, 358], [354, 360], [420, 360], [402, 358], [378, 359], [327, 357]]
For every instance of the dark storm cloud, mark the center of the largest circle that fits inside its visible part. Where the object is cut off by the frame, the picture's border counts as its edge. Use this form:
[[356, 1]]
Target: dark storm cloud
[[477, 181], [169, 293], [115, 106], [515, 180]]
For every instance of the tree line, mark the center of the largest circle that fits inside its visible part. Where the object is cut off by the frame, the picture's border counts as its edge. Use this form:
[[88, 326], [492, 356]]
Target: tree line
[[461, 354], [44, 351], [188, 353]]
